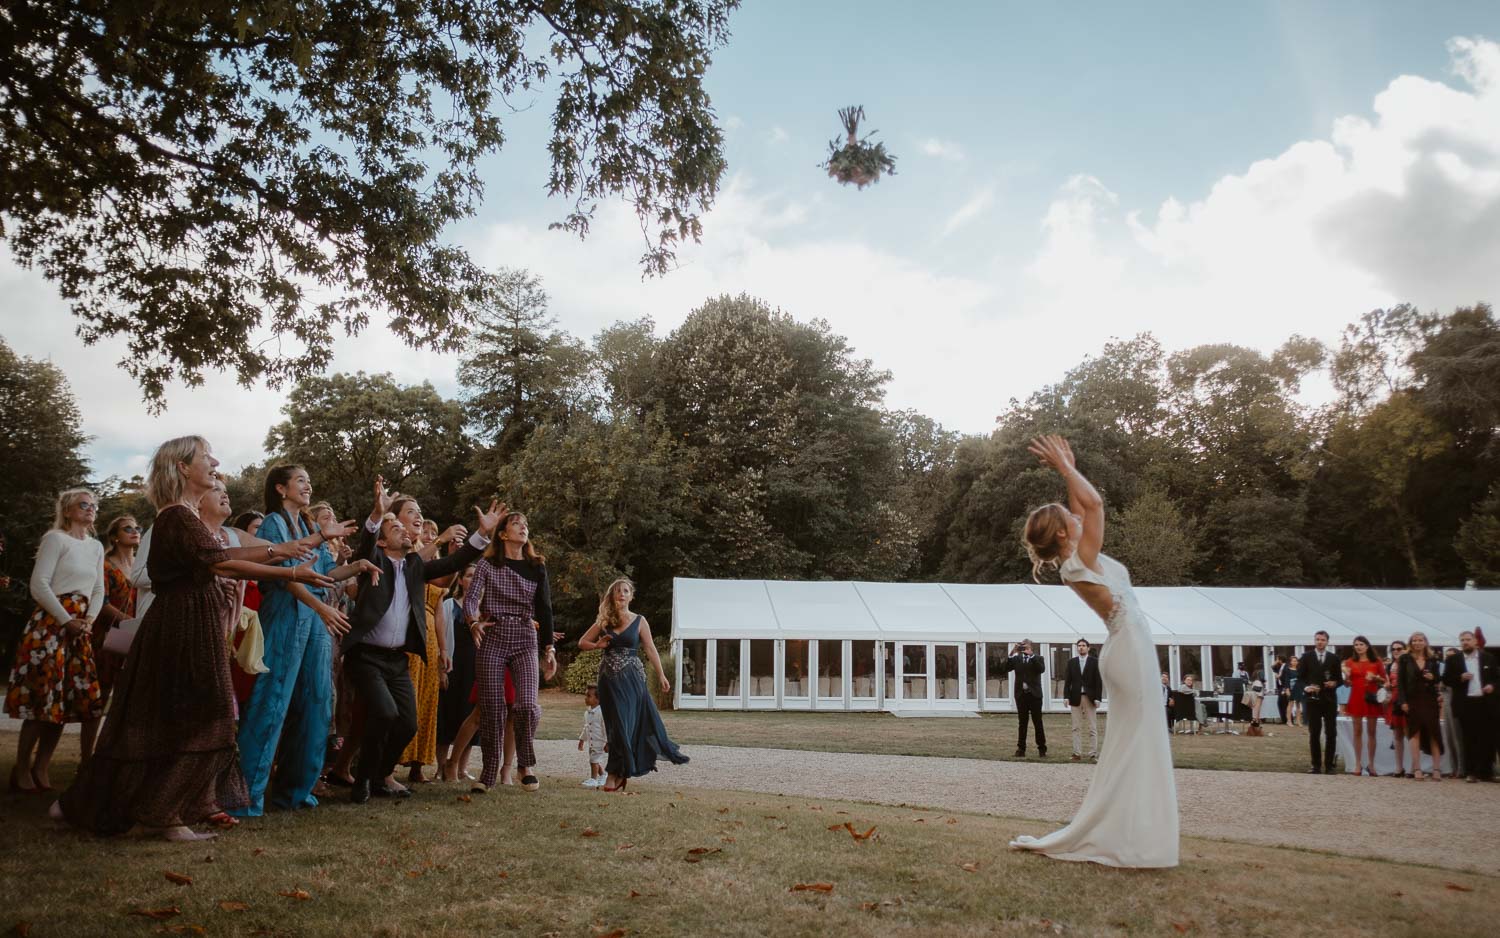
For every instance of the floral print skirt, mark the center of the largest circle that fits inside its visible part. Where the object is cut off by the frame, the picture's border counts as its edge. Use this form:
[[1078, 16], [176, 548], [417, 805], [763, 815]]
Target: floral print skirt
[[54, 678]]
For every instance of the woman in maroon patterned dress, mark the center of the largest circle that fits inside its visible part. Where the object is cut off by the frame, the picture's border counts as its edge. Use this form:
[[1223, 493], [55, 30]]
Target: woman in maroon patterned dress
[[166, 757]]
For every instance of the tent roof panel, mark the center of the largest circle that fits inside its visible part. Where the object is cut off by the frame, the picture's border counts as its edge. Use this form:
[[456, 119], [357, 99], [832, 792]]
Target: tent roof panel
[[1354, 614], [1185, 614], [722, 609], [1282, 619], [1442, 616], [820, 608], [1486, 601], [916, 611], [1015, 609]]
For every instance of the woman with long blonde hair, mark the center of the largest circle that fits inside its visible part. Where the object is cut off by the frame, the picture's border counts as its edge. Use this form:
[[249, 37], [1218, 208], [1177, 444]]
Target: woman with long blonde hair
[[636, 734], [54, 680], [1129, 815]]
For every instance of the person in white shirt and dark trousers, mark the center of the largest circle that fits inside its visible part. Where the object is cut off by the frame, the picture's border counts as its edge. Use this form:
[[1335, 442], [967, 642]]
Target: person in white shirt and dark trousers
[[1028, 669], [1474, 674], [1084, 688], [595, 736]]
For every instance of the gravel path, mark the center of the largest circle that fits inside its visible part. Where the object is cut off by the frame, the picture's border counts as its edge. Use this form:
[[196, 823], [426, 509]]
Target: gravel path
[[1449, 824]]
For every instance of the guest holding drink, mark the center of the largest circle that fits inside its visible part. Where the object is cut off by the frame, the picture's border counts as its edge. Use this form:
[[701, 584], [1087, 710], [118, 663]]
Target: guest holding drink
[[1394, 718]]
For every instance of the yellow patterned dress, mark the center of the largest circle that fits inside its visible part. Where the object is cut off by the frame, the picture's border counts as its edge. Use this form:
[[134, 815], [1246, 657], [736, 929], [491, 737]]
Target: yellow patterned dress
[[427, 680]]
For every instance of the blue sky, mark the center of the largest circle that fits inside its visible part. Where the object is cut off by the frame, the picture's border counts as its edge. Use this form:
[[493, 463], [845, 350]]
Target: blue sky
[[1067, 173]]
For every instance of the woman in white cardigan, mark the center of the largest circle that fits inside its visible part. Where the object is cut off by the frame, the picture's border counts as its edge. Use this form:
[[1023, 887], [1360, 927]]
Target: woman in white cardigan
[[53, 681]]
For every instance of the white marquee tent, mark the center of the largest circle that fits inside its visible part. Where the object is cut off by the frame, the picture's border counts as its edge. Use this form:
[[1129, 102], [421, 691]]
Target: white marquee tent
[[931, 647]]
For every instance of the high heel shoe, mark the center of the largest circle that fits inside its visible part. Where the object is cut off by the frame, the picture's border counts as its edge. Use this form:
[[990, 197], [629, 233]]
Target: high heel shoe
[[619, 787]]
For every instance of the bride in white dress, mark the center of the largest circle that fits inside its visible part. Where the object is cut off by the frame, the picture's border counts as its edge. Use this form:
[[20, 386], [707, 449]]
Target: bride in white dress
[[1129, 816]]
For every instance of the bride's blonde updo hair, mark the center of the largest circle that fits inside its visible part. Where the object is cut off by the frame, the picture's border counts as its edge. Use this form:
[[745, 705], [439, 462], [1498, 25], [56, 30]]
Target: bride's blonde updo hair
[[1042, 528]]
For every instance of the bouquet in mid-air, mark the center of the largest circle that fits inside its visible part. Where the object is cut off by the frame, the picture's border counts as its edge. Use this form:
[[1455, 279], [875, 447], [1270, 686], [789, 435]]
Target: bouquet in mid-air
[[856, 159]]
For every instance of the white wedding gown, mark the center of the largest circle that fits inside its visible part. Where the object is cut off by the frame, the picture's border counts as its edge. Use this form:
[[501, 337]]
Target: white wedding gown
[[1129, 816]]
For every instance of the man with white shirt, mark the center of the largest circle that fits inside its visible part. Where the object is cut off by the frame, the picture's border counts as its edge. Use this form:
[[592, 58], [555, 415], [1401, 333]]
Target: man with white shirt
[[1321, 673], [389, 621], [1083, 687], [1473, 674]]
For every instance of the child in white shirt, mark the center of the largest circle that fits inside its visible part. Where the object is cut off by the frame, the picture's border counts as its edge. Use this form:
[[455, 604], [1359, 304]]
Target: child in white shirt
[[594, 734]]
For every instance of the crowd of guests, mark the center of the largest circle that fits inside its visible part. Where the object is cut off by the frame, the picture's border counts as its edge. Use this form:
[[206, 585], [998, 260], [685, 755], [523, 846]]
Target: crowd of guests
[[220, 668], [1432, 703]]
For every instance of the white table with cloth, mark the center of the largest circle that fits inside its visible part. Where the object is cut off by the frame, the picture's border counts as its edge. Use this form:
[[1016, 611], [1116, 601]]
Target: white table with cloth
[[1385, 756]]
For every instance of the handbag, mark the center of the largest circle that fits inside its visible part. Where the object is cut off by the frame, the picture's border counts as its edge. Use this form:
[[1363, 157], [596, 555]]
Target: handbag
[[1380, 697], [119, 638]]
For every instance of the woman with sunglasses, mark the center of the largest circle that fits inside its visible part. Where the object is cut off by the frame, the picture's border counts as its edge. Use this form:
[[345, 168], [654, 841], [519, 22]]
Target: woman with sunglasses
[[1394, 718], [54, 681]]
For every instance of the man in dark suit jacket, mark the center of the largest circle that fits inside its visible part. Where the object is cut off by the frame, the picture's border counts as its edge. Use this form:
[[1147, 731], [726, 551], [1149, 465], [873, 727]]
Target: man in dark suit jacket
[[1474, 675], [1027, 668], [389, 622], [1321, 673], [1084, 689]]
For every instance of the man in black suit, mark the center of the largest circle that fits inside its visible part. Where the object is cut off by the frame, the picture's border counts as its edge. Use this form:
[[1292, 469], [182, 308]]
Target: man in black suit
[[389, 621], [1027, 668], [1167, 702], [1321, 674], [1474, 675], [1084, 689]]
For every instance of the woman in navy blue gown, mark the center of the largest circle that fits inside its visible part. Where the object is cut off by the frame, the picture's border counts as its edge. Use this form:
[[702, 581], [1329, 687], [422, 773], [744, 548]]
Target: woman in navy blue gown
[[637, 737]]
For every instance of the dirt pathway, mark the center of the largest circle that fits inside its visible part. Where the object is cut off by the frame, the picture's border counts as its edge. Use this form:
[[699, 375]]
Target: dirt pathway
[[1450, 824]]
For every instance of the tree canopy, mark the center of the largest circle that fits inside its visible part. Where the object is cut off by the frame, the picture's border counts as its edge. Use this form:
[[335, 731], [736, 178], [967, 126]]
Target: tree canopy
[[197, 176]]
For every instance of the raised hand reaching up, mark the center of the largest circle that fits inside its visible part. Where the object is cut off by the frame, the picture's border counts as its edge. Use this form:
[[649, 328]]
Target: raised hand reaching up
[[490, 520], [383, 500]]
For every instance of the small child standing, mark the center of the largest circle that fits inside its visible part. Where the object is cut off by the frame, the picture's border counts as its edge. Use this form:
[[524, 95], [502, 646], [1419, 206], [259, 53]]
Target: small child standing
[[593, 733]]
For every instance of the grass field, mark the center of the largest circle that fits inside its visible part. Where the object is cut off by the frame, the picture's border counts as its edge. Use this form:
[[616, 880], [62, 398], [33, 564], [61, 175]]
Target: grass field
[[987, 737], [569, 862]]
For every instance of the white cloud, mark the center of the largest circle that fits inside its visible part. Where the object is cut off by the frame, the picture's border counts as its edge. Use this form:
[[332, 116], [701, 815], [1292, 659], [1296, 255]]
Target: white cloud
[[942, 149], [779, 135], [733, 122], [972, 208]]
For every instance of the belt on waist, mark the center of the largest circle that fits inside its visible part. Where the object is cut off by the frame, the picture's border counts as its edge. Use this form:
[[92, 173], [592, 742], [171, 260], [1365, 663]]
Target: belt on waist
[[366, 646]]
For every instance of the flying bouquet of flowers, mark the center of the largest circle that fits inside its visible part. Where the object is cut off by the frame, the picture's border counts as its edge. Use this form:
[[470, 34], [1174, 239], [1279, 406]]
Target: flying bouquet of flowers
[[856, 159]]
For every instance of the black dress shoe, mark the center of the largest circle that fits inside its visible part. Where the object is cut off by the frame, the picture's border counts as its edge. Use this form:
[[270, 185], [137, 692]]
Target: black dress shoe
[[384, 792], [1020, 753], [1314, 771], [359, 792], [1042, 752]]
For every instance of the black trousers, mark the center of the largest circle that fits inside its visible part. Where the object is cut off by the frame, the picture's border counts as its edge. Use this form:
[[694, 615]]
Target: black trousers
[[1322, 728], [1029, 705], [382, 681], [1476, 721]]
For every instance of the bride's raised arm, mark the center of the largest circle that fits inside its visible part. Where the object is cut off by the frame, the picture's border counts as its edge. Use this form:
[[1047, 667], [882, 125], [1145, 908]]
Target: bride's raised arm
[[1083, 498]]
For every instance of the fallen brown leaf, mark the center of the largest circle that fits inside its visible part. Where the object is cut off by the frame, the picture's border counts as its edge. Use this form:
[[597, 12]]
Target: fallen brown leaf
[[1183, 927], [466, 799], [919, 820], [617, 933], [856, 834], [562, 825], [837, 827], [589, 832], [177, 878], [300, 894], [969, 867], [258, 851], [723, 810], [1455, 887], [700, 851], [633, 895], [504, 875], [726, 840], [951, 820], [158, 914], [234, 907], [812, 887], [413, 874], [623, 847], [183, 929]]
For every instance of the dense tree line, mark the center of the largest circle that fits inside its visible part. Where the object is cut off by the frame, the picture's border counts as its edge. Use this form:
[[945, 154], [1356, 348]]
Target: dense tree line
[[747, 443]]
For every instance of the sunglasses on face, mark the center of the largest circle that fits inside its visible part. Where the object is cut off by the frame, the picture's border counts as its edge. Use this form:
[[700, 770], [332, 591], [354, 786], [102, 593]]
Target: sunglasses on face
[[131, 529], [85, 506]]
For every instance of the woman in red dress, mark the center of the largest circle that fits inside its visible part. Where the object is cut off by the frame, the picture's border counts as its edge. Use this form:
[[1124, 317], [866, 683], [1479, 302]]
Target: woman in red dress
[[1361, 672], [1394, 718]]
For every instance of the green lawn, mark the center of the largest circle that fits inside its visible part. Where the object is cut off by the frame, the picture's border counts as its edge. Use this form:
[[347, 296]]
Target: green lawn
[[987, 737], [568, 862]]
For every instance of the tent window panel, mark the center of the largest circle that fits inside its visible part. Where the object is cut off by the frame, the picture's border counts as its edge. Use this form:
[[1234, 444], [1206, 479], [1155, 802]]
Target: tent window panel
[[913, 672], [945, 672], [727, 680], [1164, 659], [1190, 660], [890, 669], [695, 667], [996, 684], [971, 671], [1059, 668], [831, 669], [762, 668], [862, 667], [1255, 662], [795, 669], [1223, 664]]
